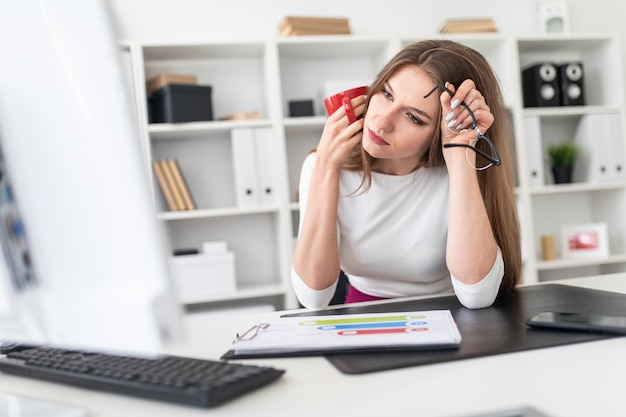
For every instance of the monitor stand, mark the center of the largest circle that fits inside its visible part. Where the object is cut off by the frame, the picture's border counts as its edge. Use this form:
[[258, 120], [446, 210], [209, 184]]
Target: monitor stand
[[20, 406]]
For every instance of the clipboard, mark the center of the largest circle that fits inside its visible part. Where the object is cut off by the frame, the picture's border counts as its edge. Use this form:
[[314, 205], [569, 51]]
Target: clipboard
[[348, 333]]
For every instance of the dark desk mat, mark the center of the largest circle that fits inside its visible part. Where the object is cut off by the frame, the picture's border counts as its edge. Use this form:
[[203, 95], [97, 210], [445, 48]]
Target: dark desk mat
[[490, 331]]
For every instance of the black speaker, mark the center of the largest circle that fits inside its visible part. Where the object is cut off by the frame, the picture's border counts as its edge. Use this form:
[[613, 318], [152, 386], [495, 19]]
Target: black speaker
[[571, 75], [541, 86]]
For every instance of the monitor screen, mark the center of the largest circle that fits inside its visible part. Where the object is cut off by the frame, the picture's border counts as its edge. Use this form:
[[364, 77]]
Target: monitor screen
[[83, 257]]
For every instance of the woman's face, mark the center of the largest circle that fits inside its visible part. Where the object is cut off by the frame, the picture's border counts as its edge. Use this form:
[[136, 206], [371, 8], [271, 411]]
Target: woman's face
[[400, 123]]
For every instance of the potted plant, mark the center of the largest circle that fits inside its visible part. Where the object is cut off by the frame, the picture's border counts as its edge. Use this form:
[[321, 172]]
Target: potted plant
[[561, 157]]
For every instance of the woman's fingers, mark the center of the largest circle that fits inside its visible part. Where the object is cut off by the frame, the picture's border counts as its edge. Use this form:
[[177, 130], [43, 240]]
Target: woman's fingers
[[342, 131], [347, 106], [351, 109], [465, 102]]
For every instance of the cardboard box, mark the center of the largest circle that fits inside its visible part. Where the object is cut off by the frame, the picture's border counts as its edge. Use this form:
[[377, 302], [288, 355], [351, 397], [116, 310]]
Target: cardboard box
[[177, 103], [161, 80], [202, 277]]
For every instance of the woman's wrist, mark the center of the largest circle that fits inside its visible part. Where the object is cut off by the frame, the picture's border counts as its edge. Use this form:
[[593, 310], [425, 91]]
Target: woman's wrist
[[458, 157]]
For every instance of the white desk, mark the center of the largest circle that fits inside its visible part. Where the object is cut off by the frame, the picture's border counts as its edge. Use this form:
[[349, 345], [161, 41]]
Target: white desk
[[586, 379]]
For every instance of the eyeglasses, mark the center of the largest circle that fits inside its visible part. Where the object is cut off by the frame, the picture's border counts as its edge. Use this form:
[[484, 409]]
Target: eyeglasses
[[484, 158], [251, 333]]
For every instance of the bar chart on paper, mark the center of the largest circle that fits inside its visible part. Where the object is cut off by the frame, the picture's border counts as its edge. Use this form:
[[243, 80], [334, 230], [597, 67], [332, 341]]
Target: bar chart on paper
[[434, 329]]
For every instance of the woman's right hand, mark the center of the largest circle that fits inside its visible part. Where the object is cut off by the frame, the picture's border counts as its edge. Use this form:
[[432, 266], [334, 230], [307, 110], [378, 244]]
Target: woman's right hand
[[339, 136]]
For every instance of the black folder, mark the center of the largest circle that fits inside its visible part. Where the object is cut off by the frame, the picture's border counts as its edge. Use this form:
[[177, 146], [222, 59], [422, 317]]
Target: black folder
[[498, 329]]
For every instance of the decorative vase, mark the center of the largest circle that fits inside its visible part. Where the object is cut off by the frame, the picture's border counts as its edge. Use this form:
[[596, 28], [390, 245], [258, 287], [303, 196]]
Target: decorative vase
[[562, 175]]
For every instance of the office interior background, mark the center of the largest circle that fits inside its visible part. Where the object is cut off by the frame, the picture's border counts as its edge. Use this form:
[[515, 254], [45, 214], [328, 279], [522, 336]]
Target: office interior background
[[547, 378], [201, 20], [205, 22]]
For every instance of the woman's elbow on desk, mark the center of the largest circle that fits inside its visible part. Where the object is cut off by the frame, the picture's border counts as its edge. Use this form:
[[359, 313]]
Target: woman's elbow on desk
[[483, 293], [308, 297], [475, 303]]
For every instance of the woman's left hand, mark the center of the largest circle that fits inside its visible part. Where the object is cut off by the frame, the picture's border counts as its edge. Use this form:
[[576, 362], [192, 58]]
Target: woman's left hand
[[457, 121]]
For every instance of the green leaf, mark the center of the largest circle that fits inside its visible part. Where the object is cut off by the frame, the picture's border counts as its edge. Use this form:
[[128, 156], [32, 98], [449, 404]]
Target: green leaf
[[563, 154]]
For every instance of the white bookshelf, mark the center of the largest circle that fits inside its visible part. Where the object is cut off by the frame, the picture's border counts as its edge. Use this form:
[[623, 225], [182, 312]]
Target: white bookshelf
[[589, 199], [264, 75]]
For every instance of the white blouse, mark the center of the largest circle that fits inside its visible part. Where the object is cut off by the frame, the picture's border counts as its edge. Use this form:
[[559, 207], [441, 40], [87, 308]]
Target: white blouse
[[392, 239]]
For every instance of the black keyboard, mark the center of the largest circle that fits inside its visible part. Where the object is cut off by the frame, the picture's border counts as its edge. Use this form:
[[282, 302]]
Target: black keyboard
[[199, 382]]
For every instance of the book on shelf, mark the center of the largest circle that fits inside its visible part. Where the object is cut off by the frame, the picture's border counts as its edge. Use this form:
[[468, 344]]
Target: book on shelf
[[173, 185], [474, 25], [164, 185], [181, 185], [169, 177], [301, 25]]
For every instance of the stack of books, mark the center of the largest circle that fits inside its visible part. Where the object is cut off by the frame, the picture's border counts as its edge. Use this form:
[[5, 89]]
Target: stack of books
[[173, 185], [474, 25], [298, 26]]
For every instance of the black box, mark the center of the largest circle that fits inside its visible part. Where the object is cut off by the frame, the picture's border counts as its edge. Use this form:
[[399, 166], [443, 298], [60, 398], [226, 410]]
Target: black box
[[300, 108], [177, 103]]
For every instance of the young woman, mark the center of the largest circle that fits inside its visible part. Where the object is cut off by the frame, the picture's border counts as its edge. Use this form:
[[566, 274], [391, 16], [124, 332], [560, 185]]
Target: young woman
[[415, 197]]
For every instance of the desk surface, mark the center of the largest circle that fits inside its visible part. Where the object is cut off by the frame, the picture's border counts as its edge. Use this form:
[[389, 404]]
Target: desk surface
[[585, 379]]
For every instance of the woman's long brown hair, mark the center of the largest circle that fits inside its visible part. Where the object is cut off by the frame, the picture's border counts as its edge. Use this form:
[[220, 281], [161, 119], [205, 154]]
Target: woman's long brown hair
[[445, 60]]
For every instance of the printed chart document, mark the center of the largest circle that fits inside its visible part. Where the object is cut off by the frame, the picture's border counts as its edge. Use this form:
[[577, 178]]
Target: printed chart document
[[325, 334]]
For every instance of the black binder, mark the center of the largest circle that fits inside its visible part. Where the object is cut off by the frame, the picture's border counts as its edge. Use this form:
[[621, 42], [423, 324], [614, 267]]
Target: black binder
[[495, 330]]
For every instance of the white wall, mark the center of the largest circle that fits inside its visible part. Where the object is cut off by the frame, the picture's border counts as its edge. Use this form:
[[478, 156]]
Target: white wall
[[188, 20], [167, 20], [214, 20]]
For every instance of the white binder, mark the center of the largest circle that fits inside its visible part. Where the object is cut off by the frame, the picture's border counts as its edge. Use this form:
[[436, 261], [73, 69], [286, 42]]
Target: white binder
[[532, 129], [618, 153], [265, 164], [244, 167], [594, 138]]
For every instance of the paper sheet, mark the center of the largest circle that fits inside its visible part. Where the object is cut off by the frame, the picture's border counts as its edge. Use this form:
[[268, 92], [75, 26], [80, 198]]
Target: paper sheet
[[327, 333]]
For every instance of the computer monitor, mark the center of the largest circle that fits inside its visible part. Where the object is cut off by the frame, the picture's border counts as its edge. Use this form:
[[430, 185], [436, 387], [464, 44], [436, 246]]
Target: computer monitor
[[84, 261]]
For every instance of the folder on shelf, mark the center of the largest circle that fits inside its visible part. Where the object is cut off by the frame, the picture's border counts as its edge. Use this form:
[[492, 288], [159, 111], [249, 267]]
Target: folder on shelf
[[266, 168], [244, 166], [366, 332], [536, 159], [594, 138], [600, 137], [253, 165], [616, 142]]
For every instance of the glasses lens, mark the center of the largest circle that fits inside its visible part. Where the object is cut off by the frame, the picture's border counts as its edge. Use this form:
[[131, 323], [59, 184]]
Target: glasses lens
[[486, 155], [480, 153]]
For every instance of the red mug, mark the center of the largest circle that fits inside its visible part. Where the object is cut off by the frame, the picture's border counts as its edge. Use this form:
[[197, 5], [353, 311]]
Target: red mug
[[335, 101]]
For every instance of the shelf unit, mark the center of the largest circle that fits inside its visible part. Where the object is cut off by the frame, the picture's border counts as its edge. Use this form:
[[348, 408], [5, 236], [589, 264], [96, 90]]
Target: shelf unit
[[598, 193], [265, 75]]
